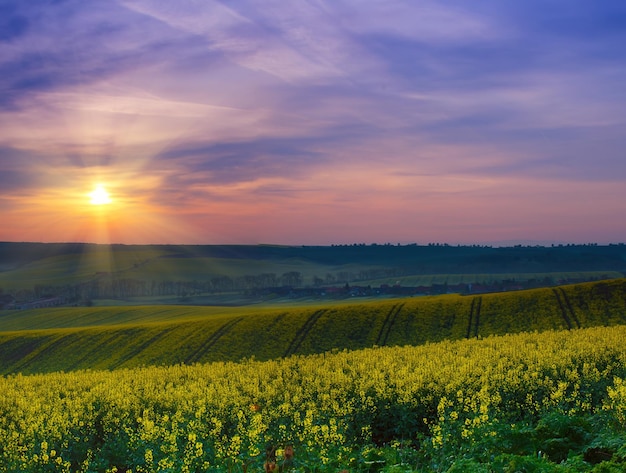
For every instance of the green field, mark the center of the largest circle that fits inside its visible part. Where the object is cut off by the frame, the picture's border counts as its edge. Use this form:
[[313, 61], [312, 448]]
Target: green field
[[71, 268], [45, 340]]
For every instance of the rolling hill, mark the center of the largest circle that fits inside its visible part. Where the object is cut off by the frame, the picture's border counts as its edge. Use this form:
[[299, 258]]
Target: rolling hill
[[65, 339]]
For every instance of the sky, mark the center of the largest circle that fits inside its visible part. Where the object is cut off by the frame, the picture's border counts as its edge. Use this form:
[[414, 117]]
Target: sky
[[313, 122]]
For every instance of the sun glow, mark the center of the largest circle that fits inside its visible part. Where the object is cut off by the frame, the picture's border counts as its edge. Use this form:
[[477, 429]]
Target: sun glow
[[100, 196]]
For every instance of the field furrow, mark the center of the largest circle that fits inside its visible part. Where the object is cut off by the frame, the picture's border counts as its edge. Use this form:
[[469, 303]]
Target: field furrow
[[212, 340], [471, 318], [383, 334], [568, 306], [479, 302], [562, 309], [303, 332]]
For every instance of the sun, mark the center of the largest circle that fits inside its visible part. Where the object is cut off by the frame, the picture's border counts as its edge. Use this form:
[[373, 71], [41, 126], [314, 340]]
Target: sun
[[100, 196]]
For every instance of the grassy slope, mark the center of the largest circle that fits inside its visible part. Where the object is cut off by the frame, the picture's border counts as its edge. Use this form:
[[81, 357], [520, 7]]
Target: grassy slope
[[72, 268], [110, 337], [73, 317]]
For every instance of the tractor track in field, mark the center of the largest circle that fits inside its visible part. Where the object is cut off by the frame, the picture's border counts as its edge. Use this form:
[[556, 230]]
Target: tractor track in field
[[47, 348], [212, 340], [141, 347], [569, 306], [388, 323], [567, 311], [563, 309], [474, 317], [302, 333], [111, 336]]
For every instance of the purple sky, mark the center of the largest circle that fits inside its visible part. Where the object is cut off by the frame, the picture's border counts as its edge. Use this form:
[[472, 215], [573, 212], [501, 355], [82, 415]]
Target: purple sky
[[313, 122]]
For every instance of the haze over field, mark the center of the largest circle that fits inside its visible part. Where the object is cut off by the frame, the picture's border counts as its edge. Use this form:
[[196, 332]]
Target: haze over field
[[145, 121]]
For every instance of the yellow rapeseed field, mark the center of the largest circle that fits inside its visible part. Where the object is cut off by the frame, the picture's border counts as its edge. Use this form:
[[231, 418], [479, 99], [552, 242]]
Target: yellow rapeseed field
[[430, 406]]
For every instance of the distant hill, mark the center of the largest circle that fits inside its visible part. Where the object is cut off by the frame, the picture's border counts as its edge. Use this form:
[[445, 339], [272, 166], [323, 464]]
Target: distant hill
[[46, 340], [422, 259], [82, 272]]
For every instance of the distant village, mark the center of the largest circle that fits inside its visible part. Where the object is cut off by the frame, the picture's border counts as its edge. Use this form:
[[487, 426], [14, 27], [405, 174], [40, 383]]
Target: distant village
[[398, 290]]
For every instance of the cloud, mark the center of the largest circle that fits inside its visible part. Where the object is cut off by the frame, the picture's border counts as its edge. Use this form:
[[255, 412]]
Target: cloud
[[244, 161], [67, 45], [330, 105], [16, 172], [12, 24], [231, 171], [425, 21]]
